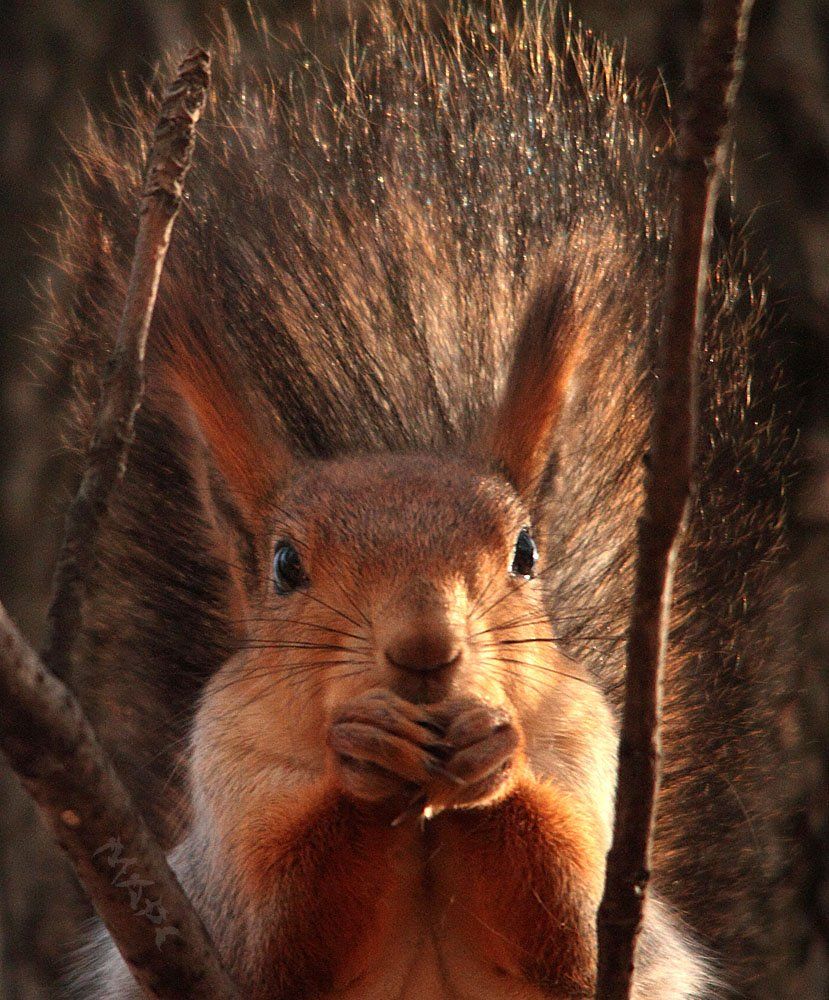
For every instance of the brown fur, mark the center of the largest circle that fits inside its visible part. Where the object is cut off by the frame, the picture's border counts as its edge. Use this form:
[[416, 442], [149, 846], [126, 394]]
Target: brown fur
[[547, 352], [348, 285]]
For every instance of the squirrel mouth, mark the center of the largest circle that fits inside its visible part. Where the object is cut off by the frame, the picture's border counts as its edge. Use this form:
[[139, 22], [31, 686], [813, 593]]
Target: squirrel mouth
[[424, 689]]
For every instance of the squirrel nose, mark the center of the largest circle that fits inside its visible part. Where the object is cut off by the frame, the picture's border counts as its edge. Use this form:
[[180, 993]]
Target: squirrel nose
[[423, 649]]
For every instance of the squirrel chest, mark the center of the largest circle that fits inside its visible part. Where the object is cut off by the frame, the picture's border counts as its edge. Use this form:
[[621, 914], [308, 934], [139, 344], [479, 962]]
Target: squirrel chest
[[421, 933], [444, 908], [433, 946]]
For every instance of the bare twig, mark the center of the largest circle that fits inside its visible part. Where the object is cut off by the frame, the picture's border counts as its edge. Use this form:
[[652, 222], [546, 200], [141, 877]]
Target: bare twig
[[53, 750], [43, 731], [123, 386], [712, 83]]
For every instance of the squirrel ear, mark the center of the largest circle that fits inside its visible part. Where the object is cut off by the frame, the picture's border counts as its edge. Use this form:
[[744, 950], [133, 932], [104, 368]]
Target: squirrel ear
[[224, 424], [547, 353]]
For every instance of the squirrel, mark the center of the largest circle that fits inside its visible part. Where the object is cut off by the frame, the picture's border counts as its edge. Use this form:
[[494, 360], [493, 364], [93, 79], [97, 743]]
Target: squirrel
[[355, 640]]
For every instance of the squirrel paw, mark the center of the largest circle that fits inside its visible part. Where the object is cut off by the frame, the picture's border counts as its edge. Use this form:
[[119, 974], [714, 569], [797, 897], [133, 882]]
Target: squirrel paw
[[422, 757], [484, 743], [385, 748]]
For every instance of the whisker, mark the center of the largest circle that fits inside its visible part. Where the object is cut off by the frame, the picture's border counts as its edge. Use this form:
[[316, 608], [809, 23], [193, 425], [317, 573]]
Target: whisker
[[278, 674], [313, 597], [480, 598], [522, 621], [539, 685], [259, 644], [555, 639], [357, 609], [549, 670], [278, 619]]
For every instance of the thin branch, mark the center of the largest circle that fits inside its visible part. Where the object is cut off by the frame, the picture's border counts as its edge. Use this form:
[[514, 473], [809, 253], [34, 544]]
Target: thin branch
[[123, 386], [43, 731], [713, 77]]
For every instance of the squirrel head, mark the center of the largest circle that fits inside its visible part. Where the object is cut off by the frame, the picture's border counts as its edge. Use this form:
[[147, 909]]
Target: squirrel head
[[420, 573]]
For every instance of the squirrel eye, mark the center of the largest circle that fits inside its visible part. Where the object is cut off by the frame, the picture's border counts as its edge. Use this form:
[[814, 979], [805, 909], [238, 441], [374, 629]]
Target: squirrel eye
[[288, 573], [525, 555]]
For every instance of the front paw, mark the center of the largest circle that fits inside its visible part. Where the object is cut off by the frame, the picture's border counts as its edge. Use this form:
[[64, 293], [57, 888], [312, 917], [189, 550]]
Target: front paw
[[485, 745], [385, 748]]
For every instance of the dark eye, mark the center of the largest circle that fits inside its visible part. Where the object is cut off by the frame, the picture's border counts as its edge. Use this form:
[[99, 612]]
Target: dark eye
[[525, 555], [288, 573]]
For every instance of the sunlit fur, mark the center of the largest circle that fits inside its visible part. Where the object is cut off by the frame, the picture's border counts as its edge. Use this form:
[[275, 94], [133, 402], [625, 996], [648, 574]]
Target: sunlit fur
[[305, 875], [357, 259]]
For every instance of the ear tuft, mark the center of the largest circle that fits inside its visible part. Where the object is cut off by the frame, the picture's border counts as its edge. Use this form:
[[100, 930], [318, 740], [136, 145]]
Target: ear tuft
[[225, 418], [547, 353]]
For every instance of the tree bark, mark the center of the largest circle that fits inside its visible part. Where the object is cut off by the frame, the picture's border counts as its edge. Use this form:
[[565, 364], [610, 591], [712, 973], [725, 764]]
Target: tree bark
[[700, 152]]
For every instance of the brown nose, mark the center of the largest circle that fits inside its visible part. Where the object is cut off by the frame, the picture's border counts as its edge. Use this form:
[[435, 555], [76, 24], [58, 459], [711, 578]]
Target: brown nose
[[421, 649]]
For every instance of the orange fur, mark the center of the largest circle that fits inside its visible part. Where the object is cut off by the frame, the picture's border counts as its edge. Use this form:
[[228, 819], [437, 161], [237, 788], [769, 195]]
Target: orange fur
[[513, 886], [523, 878], [547, 353], [200, 372], [333, 869]]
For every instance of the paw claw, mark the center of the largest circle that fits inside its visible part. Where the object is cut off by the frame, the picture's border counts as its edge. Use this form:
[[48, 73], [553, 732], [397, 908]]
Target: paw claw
[[431, 727], [436, 768], [414, 808]]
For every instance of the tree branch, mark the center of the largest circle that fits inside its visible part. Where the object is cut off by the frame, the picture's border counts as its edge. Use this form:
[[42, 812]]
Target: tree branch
[[43, 731], [123, 388], [54, 752], [713, 77]]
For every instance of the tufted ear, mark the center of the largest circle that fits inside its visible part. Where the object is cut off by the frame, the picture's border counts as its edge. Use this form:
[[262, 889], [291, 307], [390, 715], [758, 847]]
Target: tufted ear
[[235, 457], [547, 353]]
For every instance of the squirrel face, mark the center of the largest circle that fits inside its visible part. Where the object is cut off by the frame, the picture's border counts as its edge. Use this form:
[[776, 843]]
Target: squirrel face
[[412, 572], [416, 574]]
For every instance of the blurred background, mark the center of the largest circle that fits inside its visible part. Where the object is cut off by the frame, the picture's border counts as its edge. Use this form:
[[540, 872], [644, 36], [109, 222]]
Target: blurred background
[[59, 57]]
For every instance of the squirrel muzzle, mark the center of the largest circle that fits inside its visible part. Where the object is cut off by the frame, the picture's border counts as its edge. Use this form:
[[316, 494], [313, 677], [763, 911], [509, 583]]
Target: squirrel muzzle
[[420, 636]]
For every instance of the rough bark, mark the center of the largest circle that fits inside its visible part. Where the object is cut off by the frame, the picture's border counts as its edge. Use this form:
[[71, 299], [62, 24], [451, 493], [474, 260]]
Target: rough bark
[[52, 748]]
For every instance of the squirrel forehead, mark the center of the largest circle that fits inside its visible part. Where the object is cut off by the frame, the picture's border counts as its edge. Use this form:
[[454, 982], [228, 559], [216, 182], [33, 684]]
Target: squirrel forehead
[[404, 499]]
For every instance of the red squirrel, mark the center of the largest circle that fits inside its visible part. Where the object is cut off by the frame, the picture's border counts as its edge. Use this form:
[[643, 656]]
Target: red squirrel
[[356, 638]]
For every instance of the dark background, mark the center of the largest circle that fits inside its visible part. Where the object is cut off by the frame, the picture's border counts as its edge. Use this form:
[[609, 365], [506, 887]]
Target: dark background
[[58, 56]]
